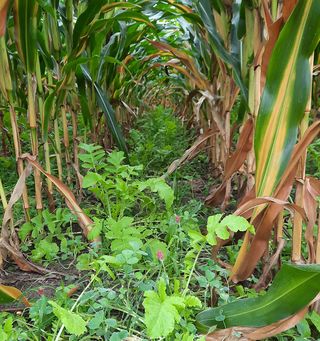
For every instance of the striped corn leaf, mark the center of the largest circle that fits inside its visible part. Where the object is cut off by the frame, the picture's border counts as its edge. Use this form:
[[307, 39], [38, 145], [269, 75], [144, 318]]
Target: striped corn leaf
[[25, 17], [205, 10], [282, 107], [285, 95]]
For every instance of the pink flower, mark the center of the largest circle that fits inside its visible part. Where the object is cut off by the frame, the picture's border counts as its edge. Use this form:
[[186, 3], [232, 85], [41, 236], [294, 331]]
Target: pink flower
[[178, 219], [160, 255], [41, 291]]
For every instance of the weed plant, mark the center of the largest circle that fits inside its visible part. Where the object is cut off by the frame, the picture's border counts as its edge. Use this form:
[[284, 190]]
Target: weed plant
[[152, 271]]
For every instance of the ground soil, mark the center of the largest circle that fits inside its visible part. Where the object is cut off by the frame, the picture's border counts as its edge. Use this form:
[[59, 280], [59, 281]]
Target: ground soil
[[33, 285]]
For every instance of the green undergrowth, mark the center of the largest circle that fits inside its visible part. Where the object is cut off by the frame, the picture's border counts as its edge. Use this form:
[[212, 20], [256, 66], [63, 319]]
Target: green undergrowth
[[152, 271]]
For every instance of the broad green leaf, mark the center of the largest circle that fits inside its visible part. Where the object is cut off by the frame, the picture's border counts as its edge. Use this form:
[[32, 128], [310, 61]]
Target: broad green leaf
[[161, 311], [285, 95], [196, 236], [236, 223], [74, 323], [90, 179], [282, 107], [212, 225], [89, 17], [116, 158], [97, 320], [3, 335], [293, 288], [46, 249]]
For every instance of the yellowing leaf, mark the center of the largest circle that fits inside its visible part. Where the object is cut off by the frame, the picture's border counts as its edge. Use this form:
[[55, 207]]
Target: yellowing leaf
[[10, 294]]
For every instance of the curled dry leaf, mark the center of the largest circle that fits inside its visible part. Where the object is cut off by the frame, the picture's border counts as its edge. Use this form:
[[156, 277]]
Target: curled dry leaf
[[9, 245], [262, 333], [3, 16], [192, 152], [310, 204], [273, 31], [186, 60], [287, 8], [246, 209], [6, 234], [233, 163], [84, 221]]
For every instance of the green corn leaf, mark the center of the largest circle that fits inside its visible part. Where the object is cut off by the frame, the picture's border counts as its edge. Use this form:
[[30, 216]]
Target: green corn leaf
[[293, 288], [25, 17], [89, 17], [134, 15], [85, 110], [48, 111], [205, 11], [108, 111], [285, 95]]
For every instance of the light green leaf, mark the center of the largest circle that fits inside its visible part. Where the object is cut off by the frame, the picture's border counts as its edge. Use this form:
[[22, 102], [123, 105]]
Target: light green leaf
[[97, 320], [196, 236], [90, 179], [96, 229], [192, 301], [315, 319], [220, 229], [162, 188], [74, 323], [116, 158], [235, 223], [212, 224], [161, 311]]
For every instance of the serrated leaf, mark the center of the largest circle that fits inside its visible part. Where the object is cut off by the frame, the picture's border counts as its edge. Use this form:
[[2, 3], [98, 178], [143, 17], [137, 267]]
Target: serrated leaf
[[192, 301], [74, 323], [161, 312], [163, 189], [96, 228], [90, 179], [212, 224], [235, 223]]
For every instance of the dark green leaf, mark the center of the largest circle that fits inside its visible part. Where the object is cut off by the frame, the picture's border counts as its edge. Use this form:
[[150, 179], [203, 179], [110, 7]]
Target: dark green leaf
[[293, 288]]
